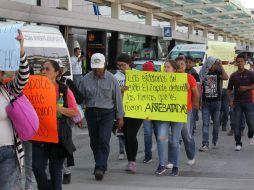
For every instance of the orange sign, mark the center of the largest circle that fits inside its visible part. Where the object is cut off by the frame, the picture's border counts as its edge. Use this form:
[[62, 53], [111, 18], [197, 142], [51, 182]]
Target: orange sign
[[42, 94]]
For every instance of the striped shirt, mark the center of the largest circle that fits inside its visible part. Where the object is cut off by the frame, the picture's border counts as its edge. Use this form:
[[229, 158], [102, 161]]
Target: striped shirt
[[7, 135]]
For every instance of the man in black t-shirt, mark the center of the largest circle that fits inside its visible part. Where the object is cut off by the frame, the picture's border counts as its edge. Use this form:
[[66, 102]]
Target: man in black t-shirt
[[212, 74]]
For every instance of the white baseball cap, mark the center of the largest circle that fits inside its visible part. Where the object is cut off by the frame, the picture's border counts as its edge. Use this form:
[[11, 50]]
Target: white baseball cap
[[97, 61]]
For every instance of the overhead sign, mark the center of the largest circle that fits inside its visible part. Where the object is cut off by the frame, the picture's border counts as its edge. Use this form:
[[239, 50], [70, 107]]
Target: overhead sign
[[9, 48], [156, 96], [167, 33]]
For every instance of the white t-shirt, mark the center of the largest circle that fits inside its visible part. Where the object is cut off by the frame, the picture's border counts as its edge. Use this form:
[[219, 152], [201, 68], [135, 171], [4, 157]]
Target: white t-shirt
[[6, 132], [76, 66], [120, 78]]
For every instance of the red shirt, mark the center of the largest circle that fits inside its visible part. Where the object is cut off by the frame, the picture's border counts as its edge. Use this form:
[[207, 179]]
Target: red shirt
[[191, 84]]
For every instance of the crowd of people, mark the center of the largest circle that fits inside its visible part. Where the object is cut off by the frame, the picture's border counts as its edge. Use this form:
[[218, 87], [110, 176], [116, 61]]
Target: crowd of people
[[101, 93]]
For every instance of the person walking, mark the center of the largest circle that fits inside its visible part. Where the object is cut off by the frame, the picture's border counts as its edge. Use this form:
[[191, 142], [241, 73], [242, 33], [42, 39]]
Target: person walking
[[76, 64], [131, 125], [11, 150], [242, 82], [103, 101], [211, 75], [55, 153]]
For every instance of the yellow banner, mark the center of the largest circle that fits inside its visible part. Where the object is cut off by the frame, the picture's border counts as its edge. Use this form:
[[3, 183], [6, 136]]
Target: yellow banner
[[156, 96], [224, 51]]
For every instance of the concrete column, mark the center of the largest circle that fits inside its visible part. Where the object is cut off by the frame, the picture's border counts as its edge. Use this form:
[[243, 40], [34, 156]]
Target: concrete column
[[216, 36], [205, 33], [149, 18], [66, 4], [190, 29], [224, 38], [115, 10], [173, 24]]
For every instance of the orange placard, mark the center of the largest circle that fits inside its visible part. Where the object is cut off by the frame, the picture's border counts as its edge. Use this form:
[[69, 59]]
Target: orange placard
[[42, 94]]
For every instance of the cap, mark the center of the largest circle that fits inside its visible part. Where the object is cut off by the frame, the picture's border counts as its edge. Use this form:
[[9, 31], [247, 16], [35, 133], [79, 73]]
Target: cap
[[97, 61], [148, 66]]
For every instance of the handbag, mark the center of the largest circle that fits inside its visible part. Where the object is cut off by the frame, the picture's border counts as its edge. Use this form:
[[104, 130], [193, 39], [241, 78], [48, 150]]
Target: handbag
[[23, 116]]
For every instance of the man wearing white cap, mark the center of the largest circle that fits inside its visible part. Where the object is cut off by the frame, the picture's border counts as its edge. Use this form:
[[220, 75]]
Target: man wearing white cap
[[103, 101]]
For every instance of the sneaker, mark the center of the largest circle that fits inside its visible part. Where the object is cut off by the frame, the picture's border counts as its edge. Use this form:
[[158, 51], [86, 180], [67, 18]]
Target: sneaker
[[231, 132], [147, 161], [174, 172], [238, 147], [191, 162], [203, 148], [98, 174], [169, 166], [121, 157], [160, 170], [252, 141], [214, 145], [132, 167]]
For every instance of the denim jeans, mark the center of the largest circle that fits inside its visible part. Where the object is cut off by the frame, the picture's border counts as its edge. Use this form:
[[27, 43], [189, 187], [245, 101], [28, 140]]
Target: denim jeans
[[100, 123], [224, 108], [242, 126], [187, 137], [121, 144], [28, 165], [148, 140], [173, 142], [248, 110], [9, 169], [211, 110], [41, 158]]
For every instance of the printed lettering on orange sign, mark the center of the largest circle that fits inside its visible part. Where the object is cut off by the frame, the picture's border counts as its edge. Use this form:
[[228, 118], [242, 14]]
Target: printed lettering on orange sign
[[42, 94]]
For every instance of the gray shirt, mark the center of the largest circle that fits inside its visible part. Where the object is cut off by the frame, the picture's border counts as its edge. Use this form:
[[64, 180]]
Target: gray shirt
[[102, 92]]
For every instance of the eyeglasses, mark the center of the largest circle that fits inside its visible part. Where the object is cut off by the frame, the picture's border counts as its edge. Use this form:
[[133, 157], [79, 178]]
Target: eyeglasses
[[45, 68]]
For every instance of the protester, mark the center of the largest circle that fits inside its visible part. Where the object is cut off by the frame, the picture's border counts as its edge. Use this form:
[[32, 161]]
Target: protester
[[76, 64], [242, 82], [162, 128], [69, 161], [211, 76], [190, 70], [103, 101], [148, 124], [193, 103], [131, 125], [54, 153], [124, 63], [11, 151]]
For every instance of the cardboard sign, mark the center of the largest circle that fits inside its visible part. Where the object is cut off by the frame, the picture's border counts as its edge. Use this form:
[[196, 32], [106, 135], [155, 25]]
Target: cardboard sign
[[9, 48], [42, 94], [156, 96], [224, 51]]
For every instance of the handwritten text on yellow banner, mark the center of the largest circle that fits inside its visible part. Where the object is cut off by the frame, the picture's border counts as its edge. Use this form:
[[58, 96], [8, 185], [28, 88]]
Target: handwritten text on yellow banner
[[156, 96]]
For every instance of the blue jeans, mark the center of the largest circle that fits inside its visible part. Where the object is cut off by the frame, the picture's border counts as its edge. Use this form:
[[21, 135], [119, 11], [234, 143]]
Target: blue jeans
[[211, 110], [100, 123], [242, 126], [121, 144], [148, 140], [187, 137], [41, 158], [224, 108], [248, 110], [173, 137], [9, 169], [28, 165]]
